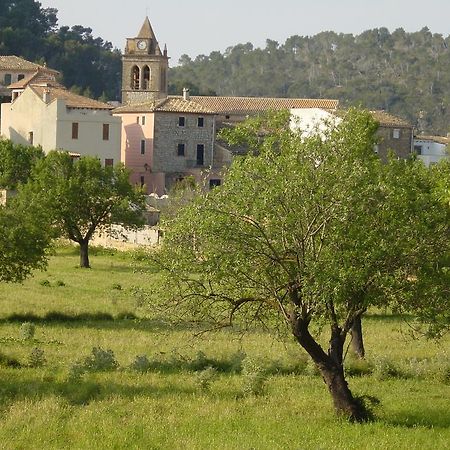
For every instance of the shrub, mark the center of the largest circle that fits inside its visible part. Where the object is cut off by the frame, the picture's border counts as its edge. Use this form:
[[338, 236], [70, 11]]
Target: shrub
[[36, 358], [76, 372], [254, 377], [141, 364], [8, 361], [117, 287], [60, 283], [45, 283], [101, 360], [205, 377], [383, 368], [27, 330]]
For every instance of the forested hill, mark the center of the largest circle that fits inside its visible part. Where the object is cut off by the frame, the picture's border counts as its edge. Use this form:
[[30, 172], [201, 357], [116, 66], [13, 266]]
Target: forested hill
[[407, 74], [88, 64]]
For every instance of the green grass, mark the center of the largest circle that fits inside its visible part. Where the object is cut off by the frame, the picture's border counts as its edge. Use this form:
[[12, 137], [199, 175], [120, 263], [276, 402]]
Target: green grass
[[164, 407]]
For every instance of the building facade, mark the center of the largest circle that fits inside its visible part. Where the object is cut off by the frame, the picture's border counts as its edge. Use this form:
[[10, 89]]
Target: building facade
[[49, 115], [431, 149]]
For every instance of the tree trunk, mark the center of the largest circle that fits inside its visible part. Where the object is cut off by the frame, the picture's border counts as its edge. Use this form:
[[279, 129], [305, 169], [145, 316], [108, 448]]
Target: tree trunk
[[84, 254], [357, 338], [331, 368]]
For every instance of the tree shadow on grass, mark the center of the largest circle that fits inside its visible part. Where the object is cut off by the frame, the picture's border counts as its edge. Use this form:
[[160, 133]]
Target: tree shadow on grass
[[427, 417], [83, 392]]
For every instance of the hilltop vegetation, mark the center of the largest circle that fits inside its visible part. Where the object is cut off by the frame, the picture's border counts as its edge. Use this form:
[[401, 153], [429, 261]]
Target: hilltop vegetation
[[88, 64], [407, 74]]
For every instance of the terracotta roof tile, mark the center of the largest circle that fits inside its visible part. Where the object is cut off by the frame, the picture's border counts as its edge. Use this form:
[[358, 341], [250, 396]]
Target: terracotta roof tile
[[16, 63], [388, 120], [170, 104], [72, 100], [439, 139], [223, 105], [38, 77]]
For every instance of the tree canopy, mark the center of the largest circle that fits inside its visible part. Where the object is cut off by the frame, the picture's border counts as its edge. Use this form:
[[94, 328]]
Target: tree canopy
[[16, 163], [310, 232], [79, 198]]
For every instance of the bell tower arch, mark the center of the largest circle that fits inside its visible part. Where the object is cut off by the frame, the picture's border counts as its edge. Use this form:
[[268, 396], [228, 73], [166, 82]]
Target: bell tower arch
[[144, 68]]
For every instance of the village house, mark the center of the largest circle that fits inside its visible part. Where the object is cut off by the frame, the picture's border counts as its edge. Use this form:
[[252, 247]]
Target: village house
[[431, 149], [14, 69], [43, 112], [393, 134]]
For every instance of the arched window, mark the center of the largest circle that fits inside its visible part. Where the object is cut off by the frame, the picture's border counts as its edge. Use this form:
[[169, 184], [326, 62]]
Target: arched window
[[135, 78], [146, 78]]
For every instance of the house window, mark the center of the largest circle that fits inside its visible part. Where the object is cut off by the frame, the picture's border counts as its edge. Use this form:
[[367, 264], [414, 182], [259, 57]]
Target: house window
[[106, 131], [180, 149], [142, 146], [418, 149], [109, 162], [142, 180], [396, 133], [30, 137], [137, 119], [21, 76], [143, 120], [200, 154], [74, 130], [214, 183], [7, 79], [181, 121], [200, 122]]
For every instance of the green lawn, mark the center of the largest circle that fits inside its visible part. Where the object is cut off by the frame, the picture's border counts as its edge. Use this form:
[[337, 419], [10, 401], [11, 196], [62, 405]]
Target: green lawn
[[75, 310]]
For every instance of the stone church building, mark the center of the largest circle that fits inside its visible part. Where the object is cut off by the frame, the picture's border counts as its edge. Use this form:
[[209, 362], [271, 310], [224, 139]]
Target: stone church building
[[166, 138]]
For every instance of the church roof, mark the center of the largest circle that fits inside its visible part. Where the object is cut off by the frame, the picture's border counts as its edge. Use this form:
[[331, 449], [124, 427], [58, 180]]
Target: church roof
[[146, 30], [72, 100], [169, 104], [12, 62], [245, 105]]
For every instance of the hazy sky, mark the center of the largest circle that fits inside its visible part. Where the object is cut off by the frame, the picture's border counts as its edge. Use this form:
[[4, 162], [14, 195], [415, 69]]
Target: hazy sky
[[201, 26]]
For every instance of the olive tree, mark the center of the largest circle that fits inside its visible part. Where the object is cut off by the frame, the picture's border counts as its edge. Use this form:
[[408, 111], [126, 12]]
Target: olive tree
[[308, 233]]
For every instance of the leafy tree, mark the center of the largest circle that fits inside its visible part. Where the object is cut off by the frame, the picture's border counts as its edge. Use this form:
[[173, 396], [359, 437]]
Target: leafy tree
[[81, 197], [309, 233], [23, 243], [16, 163]]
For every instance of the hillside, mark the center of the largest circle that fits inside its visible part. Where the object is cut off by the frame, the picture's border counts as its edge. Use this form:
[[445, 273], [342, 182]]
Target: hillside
[[407, 74]]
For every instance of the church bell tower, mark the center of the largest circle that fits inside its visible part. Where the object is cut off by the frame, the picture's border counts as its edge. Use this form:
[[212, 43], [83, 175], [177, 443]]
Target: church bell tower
[[144, 68]]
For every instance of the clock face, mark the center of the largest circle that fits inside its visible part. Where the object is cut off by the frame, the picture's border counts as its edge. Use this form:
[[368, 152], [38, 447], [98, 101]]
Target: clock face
[[142, 45]]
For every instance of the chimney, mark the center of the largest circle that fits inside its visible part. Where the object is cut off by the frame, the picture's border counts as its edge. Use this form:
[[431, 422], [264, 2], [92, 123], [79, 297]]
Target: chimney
[[165, 50], [46, 96], [186, 95]]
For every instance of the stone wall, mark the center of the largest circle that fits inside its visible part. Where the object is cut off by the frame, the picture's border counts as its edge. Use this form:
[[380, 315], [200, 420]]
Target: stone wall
[[168, 134], [401, 146]]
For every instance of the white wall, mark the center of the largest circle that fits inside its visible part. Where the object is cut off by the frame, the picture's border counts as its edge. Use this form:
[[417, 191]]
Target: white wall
[[311, 120], [431, 152], [51, 125]]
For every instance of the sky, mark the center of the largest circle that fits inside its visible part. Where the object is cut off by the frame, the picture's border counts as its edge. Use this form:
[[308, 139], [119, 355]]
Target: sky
[[196, 27]]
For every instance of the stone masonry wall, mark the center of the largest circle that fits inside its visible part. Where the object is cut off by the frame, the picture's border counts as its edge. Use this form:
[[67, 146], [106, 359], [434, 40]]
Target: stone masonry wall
[[401, 145]]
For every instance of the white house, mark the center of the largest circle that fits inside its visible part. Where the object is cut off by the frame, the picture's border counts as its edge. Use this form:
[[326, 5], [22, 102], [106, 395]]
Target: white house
[[431, 149], [43, 112]]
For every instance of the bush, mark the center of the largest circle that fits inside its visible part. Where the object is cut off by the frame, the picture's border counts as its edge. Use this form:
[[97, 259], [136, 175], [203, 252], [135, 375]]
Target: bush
[[27, 330], [60, 283], [45, 283], [141, 364], [36, 358], [254, 377], [101, 360], [205, 377], [383, 368]]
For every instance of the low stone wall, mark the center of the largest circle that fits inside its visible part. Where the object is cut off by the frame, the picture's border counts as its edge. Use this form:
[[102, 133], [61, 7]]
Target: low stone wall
[[123, 239]]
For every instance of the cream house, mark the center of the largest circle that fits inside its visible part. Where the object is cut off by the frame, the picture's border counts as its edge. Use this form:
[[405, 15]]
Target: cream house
[[14, 69], [45, 113]]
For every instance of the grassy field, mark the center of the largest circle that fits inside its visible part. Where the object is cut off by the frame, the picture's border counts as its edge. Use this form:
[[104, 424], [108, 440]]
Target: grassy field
[[263, 394]]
